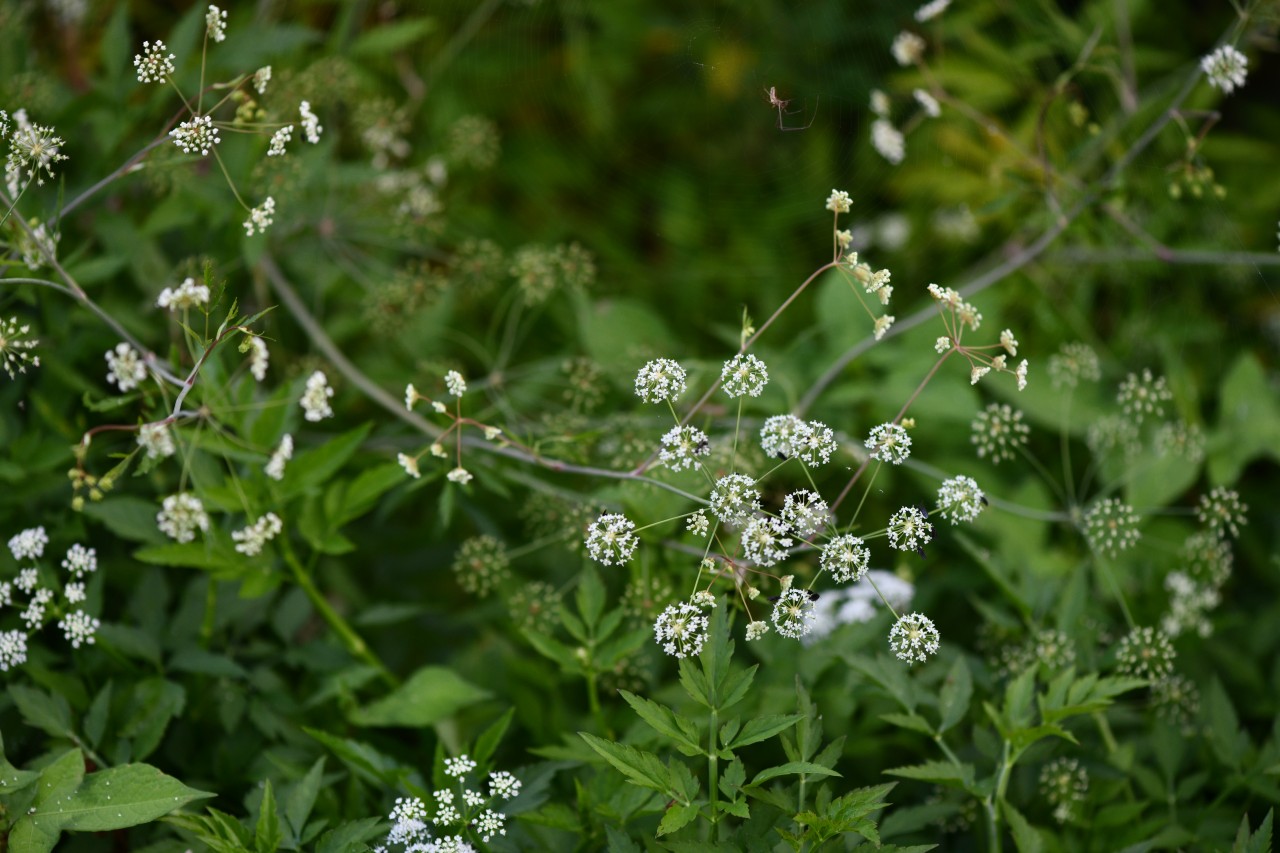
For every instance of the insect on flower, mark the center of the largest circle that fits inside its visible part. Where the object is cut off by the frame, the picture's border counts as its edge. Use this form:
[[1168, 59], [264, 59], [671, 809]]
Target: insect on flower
[[781, 104]]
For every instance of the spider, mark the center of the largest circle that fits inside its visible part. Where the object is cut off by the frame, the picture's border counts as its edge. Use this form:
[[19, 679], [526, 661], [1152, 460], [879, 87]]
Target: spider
[[780, 104]]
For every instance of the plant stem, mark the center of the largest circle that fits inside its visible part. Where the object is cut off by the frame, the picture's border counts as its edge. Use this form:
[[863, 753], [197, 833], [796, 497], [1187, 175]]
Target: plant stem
[[713, 773], [353, 641]]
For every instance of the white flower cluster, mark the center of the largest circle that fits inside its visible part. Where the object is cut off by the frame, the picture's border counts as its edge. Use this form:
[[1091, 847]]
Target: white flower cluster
[[315, 399], [279, 140], [661, 380], [310, 124], [184, 296], [682, 446], [215, 23], [260, 217], [913, 638], [15, 350], [181, 516], [910, 530], [196, 135], [78, 627], [281, 456], [734, 498], [839, 201], [251, 539], [472, 813], [793, 612], [456, 385], [744, 374], [846, 557], [960, 499], [80, 560], [786, 436], [889, 443], [611, 539], [907, 48], [32, 147], [28, 544], [1226, 68], [153, 65], [888, 141], [259, 357], [681, 629], [125, 367], [157, 440]]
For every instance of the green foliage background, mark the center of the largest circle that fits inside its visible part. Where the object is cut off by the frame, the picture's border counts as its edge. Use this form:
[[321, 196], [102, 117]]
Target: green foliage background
[[641, 132]]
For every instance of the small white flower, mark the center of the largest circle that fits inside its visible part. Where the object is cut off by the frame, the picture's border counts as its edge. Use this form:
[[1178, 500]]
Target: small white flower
[[503, 784], [913, 638], [805, 512], [459, 475], [261, 78], [260, 217], [310, 124], [744, 374], [1226, 68], [889, 443], [29, 544], [455, 383], [781, 436], [611, 539], [681, 630], [411, 396], [756, 630], [907, 48], [78, 627], [315, 400], [660, 380], [734, 498], [13, 649], [196, 135], [156, 439], [458, 767], [215, 23], [251, 539], [928, 103], [846, 558], [888, 141], [259, 357], [931, 10], [27, 580], [765, 541], [125, 368], [682, 446], [699, 524], [977, 373], [152, 64], [960, 499], [941, 345], [879, 103], [793, 614], [1009, 342], [74, 592], [909, 529], [815, 443], [283, 453], [1021, 373], [409, 464], [838, 201], [184, 296], [181, 516], [15, 352], [883, 322], [279, 140]]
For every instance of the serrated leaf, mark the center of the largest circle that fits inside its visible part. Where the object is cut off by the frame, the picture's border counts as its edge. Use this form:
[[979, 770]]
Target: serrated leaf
[[1025, 836], [953, 699], [300, 799], [941, 772], [912, 722], [489, 739], [640, 767], [677, 817], [590, 596], [266, 835], [312, 467], [1255, 842], [792, 768], [763, 728], [426, 697], [666, 722], [48, 712]]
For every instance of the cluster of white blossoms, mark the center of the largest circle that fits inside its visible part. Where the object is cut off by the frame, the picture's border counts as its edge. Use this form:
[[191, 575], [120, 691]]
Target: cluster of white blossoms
[[215, 23], [1111, 526], [181, 515], [744, 374], [611, 539], [198, 135], [681, 629], [1226, 68], [185, 296], [1064, 784], [251, 540], [33, 148], [907, 48], [793, 613], [888, 141], [960, 499], [931, 10], [279, 140], [78, 627], [125, 367], [735, 498], [15, 347], [461, 813], [683, 446], [259, 357], [927, 102], [661, 380], [310, 123], [1146, 652], [315, 399], [279, 458], [157, 439], [846, 558], [154, 64], [889, 443], [1143, 396], [998, 431], [910, 529], [260, 217], [913, 638]]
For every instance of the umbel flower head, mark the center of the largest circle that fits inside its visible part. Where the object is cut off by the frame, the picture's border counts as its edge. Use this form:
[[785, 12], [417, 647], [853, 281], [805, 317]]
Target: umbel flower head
[[15, 348], [153, 64], [682, 446], [1111, 526], [913, 638], [611, 539], [481, 565], [793, 613], [910, 530], [315, 399], [960, 499], [125, 368], [1146, 653], [846, 558], [889, 443], [181, 516], [734, 498], [681, 630], [35, 148], [1226, 68], [1222, 511], [998, 431], [765, 541], [744, 374], [661, 380], [1064, 784]]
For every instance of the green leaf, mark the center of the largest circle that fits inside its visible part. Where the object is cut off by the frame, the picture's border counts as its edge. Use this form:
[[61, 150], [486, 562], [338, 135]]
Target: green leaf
[[192, 555], [350, 837], [128, 517], [1025, 836], [763, 728], [913, 722], [667, 722], [941, 772], [266, 835], [310, 468], [301, 799], [488, 741], [378, 42], [953, 699], [362, 758], [642, 768], [1225, 735], [1257, 842], [1248, 421], [677, 817], [49, 713], [792, 768], [590, 596], [694, 682], [95, 721], [111, 799], [428, 696]]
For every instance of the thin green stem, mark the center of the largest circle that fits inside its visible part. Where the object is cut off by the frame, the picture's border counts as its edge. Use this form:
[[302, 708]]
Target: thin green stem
[[713, 772]]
